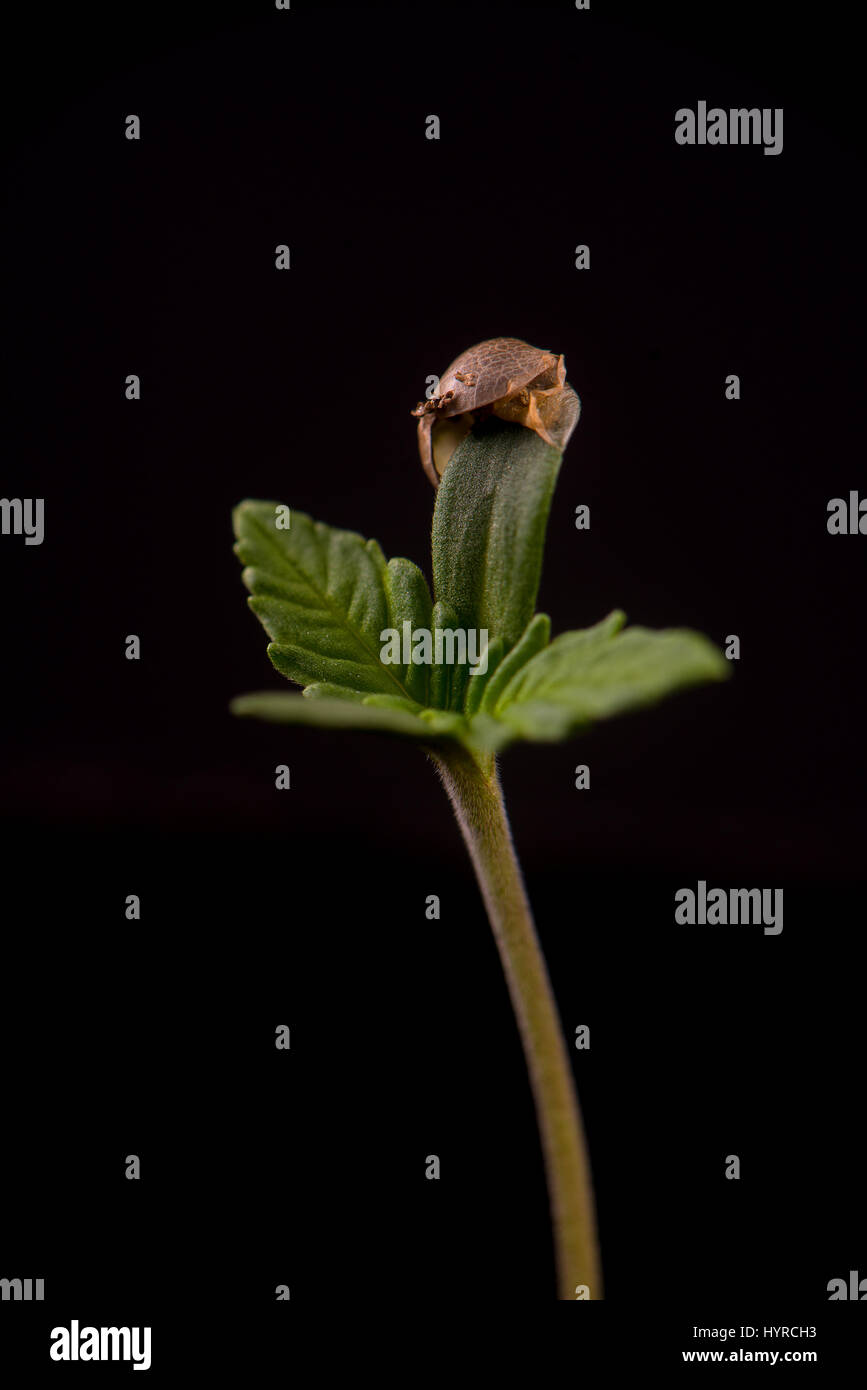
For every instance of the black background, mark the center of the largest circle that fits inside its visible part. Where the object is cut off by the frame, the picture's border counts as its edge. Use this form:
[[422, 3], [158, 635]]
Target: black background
[[307, 907]]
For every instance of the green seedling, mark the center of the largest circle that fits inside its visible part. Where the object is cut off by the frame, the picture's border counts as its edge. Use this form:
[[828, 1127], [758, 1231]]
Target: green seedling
[[491, 441]]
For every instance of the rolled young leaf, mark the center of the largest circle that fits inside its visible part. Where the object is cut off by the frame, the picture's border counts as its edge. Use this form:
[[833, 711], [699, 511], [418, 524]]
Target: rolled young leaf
[[489, 527]]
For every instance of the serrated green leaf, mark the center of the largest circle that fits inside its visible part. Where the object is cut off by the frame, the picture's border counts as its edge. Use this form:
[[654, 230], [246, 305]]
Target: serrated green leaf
[[598, 673], [489, 527], [408, 600], [325, 712], [448, 680], [493, 653], [324, 596], [534, 638]]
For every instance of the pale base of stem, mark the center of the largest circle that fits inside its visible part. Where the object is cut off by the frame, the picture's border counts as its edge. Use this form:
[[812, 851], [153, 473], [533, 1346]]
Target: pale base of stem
[[476, 797]]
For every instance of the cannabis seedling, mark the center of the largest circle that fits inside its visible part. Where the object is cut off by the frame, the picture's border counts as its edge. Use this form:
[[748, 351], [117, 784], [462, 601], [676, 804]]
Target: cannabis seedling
[[491, 441]]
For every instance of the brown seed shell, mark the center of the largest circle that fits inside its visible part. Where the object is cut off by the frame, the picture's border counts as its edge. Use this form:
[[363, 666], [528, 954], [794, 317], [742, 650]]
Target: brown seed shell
[[509, 378], [491, 370]]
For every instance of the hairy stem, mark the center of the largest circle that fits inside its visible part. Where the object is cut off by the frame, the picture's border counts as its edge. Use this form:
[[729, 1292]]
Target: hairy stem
[[477, 799]]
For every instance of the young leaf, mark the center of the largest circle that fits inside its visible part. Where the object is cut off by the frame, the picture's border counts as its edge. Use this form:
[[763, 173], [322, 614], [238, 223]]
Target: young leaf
[[489, 527], [493, 655], [278, 707], [408, 599], [534, 638], [596, 674], [448, 678], [324, 597]]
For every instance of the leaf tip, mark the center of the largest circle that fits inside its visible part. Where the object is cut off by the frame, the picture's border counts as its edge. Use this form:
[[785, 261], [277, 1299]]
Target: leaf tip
[[240, 706]]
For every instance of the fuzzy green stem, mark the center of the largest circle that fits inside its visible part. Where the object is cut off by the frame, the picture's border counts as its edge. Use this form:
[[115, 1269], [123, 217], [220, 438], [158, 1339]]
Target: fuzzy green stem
[[477, 799]]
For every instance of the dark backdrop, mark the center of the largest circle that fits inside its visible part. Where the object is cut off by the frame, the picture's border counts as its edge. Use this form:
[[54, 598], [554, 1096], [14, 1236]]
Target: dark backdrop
[[307, 907]]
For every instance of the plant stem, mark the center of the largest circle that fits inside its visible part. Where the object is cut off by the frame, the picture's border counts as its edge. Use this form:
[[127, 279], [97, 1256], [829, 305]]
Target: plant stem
[[477, 799]]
